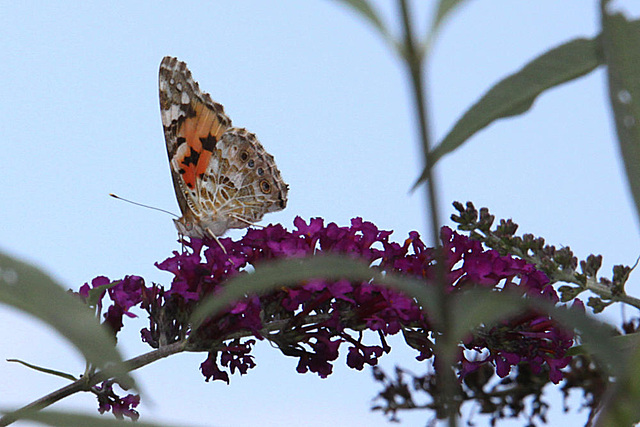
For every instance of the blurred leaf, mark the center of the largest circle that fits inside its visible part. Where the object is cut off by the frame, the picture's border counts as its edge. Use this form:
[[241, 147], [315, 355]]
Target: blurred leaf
[[515, 94], [471, 309], [621, 47], [596, 336], [481, 307], [364, 8], [44, 370], [444, 8], [95, 294], [625, 343], [27, 288], [68, 419], [292, 272], [486, 307], [621, 406], [274, 275]]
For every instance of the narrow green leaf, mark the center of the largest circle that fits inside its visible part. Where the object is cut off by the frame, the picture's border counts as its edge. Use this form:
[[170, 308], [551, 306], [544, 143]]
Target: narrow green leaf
[[70, 419], [621, 47], [27, 288], [516, 93], [621, 402], [274, 275], [364, 9], [470, 310], [481, 307], [625, 343], [485, 307], [596, 336], [292, 272], [44, 370], [445, 7], [95, 294]]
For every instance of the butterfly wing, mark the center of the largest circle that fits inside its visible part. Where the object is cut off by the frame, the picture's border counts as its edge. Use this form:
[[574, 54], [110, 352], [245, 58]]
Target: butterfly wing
[[193, 124], [247, 182], [222, 176]]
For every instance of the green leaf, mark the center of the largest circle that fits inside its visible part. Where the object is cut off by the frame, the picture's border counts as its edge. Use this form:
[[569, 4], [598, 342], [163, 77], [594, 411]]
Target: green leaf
[[621, 48], [621, 401], [625, 343], [69, 419], [470, 309], [364, 9], [95, 294], [481, 307], [445, 7], [486, 307], [596, 336], [516, 93], [291, 272], [27, 288], [44, 370]]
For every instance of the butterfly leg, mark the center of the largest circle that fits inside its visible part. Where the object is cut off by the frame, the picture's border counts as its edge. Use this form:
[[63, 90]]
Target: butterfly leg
[[249, 223], [213, 236]]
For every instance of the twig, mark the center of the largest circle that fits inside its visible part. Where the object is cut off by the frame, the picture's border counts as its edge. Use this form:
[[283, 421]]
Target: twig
[[85, 383]]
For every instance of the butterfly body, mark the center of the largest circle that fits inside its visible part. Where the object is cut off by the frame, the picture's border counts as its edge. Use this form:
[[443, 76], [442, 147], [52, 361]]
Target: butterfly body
[[222, 175]]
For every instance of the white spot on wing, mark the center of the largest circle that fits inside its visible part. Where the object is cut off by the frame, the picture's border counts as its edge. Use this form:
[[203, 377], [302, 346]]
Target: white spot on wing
[[624, 96], [629, 121], [8, 276], [171, 114], [185, 98]]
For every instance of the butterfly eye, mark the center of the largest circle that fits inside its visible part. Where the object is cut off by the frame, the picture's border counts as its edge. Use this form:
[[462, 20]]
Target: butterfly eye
[[265, 187], [244, 156], [260, 171], [251, 163]]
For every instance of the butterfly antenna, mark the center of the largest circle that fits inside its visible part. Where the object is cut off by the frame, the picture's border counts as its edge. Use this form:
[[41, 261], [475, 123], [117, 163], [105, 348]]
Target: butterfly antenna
[[115, 196]]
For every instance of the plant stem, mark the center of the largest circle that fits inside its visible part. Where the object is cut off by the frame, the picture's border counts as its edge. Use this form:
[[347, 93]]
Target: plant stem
[[85, 383], [414, 60]]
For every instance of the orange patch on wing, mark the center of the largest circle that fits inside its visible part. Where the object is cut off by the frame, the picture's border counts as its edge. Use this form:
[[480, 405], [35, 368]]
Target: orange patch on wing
[[203, 125]]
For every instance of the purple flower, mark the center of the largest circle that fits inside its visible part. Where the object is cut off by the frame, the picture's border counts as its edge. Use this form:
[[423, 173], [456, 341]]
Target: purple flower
[[126, 294], [121, 407], [360, 355], [313, 319], [236, 356], [210, 369], [324, 351]]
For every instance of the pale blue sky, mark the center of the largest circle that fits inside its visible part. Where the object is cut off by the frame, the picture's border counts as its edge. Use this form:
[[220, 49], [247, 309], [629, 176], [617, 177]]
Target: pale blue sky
[[80, 119]]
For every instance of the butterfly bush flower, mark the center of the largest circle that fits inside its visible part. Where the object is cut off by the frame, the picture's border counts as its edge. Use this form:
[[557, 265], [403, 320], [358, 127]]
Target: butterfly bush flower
[[121, 407], [317, 318]]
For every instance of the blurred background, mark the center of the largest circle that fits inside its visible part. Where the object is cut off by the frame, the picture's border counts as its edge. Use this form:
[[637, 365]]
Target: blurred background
[[325, 95]]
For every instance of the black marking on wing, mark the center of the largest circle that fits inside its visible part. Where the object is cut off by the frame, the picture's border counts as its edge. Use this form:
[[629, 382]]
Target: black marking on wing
[[209, 143], [192, 158]]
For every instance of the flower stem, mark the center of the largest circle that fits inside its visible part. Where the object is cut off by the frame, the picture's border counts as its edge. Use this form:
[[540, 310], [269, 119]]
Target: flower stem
[[85, 383]]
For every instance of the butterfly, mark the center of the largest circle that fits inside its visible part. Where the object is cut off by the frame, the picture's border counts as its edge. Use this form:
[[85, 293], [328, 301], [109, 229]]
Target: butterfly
[[222, 176]]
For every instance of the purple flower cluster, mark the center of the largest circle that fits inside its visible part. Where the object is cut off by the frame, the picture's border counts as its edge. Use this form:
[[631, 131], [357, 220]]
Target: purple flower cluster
[[121, 407], [312, 321]]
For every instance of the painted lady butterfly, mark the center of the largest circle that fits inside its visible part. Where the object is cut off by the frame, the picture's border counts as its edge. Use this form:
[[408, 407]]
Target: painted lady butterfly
[[222, 175]]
